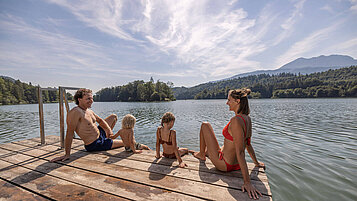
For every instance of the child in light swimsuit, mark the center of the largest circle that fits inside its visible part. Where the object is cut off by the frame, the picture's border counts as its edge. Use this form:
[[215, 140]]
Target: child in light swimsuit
[[127, 135], [167, 137]]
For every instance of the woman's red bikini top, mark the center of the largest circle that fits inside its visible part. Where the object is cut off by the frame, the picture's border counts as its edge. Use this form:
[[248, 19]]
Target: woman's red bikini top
[[229, 137]]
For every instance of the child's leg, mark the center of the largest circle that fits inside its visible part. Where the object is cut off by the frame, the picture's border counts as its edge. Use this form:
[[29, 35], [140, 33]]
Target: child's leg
[[143, 146], [183, 151]]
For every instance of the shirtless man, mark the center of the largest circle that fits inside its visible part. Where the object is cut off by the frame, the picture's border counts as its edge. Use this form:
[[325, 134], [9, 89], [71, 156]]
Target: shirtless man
[[83, 120]]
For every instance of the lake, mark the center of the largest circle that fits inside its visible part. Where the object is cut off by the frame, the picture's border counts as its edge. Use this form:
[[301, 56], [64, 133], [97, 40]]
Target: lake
[[308, 145]]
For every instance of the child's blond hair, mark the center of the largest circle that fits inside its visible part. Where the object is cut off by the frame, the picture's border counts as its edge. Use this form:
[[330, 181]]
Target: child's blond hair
[[128, 121], [167, 117]]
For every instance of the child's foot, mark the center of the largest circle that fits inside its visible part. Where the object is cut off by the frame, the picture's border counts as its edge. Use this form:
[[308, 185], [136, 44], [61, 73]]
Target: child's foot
[[198, 155]]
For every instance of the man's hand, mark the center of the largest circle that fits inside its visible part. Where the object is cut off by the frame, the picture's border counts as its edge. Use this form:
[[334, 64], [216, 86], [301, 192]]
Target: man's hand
[[61, 158]]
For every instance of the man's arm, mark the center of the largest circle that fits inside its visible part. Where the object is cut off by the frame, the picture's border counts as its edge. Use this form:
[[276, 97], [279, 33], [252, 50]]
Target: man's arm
[[102, 123], [72, 121]]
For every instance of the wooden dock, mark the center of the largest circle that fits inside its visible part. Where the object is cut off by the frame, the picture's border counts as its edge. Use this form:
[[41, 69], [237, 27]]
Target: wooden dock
[[27, 174]]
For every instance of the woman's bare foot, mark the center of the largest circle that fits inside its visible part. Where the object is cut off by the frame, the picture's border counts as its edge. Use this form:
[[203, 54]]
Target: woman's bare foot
[[199, 155]]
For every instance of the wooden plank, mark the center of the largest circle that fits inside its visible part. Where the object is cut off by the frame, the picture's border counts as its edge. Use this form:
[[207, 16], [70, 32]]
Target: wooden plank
[[79, 160], [201, 167], [104, 183], [148, 156], [50, 187], [10, 192], [204, 169], [78, 144], [157, 167]]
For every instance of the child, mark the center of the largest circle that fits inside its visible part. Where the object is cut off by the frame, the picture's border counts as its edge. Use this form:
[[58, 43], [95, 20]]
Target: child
[[127, 135], [167, 137]]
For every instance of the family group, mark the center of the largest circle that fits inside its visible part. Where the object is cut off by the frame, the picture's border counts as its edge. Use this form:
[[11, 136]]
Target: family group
[[231, 156]]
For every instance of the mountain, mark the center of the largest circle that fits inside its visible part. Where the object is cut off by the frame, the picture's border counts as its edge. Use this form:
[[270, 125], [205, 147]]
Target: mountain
[[340, 82], [307, 66], [8, 78]]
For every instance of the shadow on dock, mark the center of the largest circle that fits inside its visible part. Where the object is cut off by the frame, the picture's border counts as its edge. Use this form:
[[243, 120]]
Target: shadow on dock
[[39, 170], [164, 162]]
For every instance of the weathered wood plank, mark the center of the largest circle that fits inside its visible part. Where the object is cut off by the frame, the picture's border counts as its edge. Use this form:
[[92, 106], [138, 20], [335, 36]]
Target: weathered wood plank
[[111, 185], [51, 187], [168, 182], [201, 167], [10, 192], [189, 159], [156, 167]]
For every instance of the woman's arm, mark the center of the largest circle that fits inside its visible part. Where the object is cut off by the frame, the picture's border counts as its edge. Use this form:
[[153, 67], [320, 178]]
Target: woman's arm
[[251, 151], [254, 158], [157, 143], [238, 140]]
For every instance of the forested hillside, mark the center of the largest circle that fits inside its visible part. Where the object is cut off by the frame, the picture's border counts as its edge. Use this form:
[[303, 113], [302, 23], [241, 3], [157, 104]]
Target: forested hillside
[[137, 91], [16, 92], [332, 83]]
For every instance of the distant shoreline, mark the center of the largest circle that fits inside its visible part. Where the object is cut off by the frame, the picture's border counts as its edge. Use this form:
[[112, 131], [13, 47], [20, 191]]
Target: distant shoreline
[[187, 100]]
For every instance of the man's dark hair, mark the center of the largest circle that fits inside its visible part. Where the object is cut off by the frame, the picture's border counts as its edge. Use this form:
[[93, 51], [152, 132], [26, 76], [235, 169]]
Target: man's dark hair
[[80, 93]]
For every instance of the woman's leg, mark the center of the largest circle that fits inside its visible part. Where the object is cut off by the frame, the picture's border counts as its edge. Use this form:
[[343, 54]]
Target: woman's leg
[[111, 120], [209, 145]]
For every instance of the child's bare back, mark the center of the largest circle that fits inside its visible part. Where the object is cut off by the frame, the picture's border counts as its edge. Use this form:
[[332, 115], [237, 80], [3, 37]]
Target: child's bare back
[[127, 135]]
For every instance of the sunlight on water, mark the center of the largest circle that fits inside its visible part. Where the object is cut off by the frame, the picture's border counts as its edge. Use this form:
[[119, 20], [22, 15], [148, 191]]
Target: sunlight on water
[[308, 145]]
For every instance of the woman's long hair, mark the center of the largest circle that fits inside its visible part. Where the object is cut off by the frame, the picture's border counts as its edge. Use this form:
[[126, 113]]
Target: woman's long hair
[[241, 94]]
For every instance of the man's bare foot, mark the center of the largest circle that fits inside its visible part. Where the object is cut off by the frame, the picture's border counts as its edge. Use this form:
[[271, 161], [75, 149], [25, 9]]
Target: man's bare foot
[[199, 155]]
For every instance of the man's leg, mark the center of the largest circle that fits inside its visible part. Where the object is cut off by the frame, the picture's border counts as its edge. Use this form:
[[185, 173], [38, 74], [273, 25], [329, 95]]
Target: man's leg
[[111, 120]]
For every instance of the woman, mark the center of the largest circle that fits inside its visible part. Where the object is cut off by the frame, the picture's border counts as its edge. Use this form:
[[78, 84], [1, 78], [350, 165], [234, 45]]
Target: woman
[[237, 135]]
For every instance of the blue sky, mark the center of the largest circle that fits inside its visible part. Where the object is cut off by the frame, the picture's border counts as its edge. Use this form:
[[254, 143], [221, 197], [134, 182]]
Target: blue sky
[[97, 44]]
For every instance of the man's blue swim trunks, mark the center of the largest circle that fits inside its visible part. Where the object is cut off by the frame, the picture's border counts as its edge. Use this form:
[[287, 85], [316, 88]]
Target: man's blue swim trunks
[[101, 144]]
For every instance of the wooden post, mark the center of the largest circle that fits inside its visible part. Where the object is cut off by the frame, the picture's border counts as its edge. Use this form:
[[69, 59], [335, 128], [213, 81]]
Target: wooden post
[[65, 100], [40, 114], [61, 111]]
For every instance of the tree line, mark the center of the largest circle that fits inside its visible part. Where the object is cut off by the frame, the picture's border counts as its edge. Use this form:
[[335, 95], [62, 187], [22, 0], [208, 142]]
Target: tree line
[[332, 83], [16, 92], [137, 91]]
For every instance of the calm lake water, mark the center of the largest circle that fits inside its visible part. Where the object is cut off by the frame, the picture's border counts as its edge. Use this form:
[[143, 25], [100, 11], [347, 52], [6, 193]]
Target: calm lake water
[[308, 145]]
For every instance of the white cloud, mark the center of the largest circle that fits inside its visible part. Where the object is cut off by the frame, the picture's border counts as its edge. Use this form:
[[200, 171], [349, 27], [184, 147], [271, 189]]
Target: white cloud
[[327, 8], [353, 7], [43, 49], [104, 15], [214, 42], [289, 24], [348, 47], [307, 44]]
